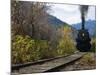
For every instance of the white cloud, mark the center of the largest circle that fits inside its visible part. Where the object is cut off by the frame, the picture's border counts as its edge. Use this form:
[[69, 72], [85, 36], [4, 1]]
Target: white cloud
[[91, 13], [70, 13]]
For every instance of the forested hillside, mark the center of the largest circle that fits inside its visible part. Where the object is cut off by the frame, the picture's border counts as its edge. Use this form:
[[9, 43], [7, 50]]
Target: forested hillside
[[38, 35]]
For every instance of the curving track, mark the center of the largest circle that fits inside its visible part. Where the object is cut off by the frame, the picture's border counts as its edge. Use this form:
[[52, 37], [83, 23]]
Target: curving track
[[48, 65]]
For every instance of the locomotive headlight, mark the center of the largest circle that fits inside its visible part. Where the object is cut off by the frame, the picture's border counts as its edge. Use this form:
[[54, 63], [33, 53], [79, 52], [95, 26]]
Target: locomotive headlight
[[83, 34]]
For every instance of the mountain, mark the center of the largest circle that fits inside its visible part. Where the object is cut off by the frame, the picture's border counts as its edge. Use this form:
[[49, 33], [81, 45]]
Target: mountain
[[90, 25], [55, 21]]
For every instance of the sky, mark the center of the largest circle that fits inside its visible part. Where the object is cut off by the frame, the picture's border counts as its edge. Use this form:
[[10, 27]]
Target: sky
[[70, 13]]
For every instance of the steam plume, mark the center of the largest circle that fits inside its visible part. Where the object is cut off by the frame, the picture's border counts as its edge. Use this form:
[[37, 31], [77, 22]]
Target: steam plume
[[83, 10]]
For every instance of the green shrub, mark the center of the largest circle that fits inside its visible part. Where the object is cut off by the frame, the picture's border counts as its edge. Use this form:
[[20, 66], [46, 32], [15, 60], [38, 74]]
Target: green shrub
[[66, 47], [66, 44], [42, 46], [25, 49], [93, 42]]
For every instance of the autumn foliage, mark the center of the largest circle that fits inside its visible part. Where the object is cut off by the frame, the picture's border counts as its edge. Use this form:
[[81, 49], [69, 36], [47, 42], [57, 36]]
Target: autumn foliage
[[33, 38]]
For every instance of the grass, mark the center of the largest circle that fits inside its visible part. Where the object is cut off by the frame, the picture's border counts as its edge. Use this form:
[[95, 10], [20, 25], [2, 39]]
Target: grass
[[88, 59]]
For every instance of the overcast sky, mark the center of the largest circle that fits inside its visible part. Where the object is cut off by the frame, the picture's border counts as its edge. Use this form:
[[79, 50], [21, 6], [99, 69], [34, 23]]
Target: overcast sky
[[70, 13]]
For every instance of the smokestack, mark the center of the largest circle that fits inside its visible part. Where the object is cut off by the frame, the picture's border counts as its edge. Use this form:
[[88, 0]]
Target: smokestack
[[83, 10]]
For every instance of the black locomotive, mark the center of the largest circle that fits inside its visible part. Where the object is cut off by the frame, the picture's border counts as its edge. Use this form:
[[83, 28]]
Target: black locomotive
[[83, 39]]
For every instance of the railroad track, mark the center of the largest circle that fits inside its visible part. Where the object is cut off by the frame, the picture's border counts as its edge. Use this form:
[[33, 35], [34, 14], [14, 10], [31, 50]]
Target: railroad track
[[47, 65]]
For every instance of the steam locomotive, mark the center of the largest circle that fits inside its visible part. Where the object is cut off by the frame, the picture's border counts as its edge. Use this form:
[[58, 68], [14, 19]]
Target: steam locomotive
[[83, 39]]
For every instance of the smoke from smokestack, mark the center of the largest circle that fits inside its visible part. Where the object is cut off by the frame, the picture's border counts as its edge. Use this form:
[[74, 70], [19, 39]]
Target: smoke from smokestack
[[83, 10]]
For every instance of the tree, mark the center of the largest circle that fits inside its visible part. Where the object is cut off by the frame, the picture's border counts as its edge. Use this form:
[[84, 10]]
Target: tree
[[17, 17], [66, 43], [30, 18]]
